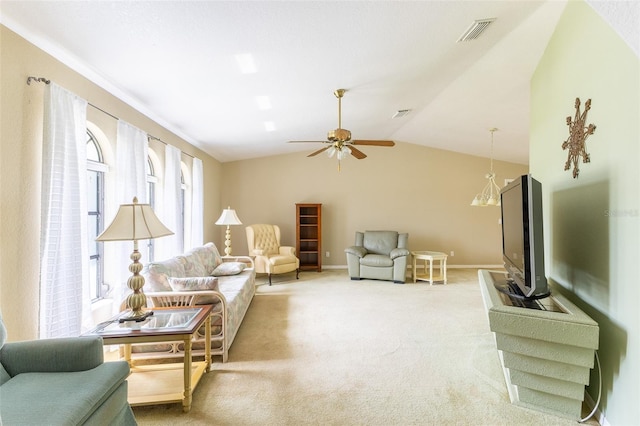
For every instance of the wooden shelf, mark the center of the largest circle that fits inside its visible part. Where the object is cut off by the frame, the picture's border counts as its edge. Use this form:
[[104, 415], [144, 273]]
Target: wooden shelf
[[309, 236]]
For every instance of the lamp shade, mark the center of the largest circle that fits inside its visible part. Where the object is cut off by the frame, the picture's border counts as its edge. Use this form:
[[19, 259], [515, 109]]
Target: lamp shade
[[228, 217], [134, 222]]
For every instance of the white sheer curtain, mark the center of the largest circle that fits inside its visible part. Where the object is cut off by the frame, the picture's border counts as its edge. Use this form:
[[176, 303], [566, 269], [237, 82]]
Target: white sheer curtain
[[132, 150], [65, 305], [197, 204], [171, 206]]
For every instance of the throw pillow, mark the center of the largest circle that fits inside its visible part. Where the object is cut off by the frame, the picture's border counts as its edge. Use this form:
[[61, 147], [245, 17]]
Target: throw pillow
[[229, 268], [193, 283], [196, 284]]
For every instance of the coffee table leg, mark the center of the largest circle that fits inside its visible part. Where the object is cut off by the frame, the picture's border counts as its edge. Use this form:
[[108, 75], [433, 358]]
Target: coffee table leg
[[207, 342], [186, 402]]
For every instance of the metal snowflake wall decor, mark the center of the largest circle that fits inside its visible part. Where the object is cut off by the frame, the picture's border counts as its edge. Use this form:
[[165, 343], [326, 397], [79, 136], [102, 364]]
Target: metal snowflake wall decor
[[578, 134]]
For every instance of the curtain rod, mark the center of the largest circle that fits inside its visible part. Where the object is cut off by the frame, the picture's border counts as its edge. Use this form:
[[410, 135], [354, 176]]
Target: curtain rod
[[47, 81]]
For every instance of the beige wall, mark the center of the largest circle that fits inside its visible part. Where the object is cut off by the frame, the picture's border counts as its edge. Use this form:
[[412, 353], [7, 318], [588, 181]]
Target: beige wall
[[414, 189], [409, 188], [592, 223], [20, 165]]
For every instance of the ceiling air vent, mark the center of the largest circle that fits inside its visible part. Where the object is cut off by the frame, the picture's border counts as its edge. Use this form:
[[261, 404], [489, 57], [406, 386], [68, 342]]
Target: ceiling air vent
[[476, 28]]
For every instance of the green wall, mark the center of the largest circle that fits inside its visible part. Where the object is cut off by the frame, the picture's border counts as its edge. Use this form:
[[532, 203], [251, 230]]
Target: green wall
[[592, 223]]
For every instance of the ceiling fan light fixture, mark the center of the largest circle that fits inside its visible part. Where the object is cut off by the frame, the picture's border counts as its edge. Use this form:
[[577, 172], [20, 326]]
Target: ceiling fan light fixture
[[339, 141], [344, 152], [490, 195]]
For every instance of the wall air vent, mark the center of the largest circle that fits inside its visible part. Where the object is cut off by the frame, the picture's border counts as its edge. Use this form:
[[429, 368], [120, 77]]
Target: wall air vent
[[401, 113], [475, 29]]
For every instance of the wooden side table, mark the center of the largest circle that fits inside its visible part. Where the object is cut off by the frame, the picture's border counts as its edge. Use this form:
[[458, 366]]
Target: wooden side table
[[162, 383], [429, 257]]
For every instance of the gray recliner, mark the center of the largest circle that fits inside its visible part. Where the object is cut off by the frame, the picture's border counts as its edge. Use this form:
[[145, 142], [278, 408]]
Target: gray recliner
[[378, 255]]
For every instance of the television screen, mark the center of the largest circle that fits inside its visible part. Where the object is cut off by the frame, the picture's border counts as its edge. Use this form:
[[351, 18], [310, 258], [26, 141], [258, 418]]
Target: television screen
[[522, 237]]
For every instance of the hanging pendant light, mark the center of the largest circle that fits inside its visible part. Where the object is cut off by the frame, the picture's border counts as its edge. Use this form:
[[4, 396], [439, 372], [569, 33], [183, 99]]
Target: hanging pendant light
[[490, 195]]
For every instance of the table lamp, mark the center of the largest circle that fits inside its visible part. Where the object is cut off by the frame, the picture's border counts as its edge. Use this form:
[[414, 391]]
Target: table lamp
[[135, 222], [228, 217]]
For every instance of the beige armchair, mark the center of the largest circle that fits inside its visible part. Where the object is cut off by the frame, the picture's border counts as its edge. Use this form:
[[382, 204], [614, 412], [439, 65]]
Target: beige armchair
[[269, 256]]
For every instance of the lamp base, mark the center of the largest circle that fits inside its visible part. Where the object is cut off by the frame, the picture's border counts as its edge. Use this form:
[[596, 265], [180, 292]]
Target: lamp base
[[136, 318]]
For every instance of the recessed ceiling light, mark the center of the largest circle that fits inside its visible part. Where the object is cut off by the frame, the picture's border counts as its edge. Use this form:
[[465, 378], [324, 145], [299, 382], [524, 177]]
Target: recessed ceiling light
[[401, 113], [263, 102], [246, 63], [269, 126]]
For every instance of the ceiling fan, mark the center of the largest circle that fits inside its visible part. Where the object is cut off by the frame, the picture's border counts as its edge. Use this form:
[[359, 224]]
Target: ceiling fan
[[339, 141]]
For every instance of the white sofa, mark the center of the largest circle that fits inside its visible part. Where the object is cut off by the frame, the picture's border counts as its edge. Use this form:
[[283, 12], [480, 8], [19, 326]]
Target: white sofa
[[226, 282]]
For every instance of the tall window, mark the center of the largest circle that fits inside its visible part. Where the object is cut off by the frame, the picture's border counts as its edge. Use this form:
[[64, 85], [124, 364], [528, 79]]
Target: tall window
[[152, 179], [183, 190], [95, 206]]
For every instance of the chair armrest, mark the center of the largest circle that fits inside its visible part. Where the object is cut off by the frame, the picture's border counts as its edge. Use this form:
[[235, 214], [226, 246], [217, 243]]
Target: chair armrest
[[287, 251], [398, 252], [52, 355], [356, 250], [165, 299], [245, 259]]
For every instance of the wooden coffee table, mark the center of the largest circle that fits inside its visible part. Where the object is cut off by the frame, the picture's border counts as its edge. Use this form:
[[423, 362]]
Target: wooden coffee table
[[429, 257], [162, 383]]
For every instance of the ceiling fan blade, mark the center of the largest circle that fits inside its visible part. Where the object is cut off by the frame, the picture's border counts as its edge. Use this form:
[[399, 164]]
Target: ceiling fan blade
[[372, 142], [308, 142], [318, 151], [357, 153]]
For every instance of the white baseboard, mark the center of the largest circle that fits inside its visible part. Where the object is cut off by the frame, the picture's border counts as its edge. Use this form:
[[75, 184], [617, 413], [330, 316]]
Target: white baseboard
[[435, 267]]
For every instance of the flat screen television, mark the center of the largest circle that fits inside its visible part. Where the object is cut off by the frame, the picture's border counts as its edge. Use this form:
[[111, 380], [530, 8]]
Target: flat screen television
[[522, 238]]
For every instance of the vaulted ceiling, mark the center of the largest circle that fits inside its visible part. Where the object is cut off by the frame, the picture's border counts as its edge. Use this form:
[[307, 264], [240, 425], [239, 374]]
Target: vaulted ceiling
[[179, 63]]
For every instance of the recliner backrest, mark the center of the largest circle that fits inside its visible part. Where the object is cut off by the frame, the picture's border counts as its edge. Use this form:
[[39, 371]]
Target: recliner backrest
[[380, 242]]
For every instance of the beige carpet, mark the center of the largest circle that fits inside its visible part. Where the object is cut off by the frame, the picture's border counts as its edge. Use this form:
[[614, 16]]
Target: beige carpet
[[325, 350]]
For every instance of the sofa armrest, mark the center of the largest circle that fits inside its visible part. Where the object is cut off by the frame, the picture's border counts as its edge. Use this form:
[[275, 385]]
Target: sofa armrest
[[398, 252], [52, 355], [287, 251], [356, 251], [165, 299], [245, 259]]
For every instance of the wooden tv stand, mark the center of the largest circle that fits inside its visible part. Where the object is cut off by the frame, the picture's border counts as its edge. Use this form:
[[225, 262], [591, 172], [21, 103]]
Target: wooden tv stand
[[546, 353]]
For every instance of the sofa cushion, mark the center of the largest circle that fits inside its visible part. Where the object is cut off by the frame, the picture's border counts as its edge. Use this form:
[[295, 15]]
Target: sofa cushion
[[197, 284], [193, 266], [156, 273], [193, 283], [377, 260], [229, 268], [209, 257]]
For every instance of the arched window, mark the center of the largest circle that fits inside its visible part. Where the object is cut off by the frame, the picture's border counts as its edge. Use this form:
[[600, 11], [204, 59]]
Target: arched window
[[95, 215], [152, 180], [181, 225]]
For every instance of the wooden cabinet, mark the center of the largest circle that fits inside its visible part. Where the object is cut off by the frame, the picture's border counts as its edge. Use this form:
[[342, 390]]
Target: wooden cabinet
[[309, 236]]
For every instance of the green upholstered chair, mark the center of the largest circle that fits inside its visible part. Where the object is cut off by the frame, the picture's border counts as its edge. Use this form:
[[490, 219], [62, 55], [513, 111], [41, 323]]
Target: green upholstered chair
[[61, 382]]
